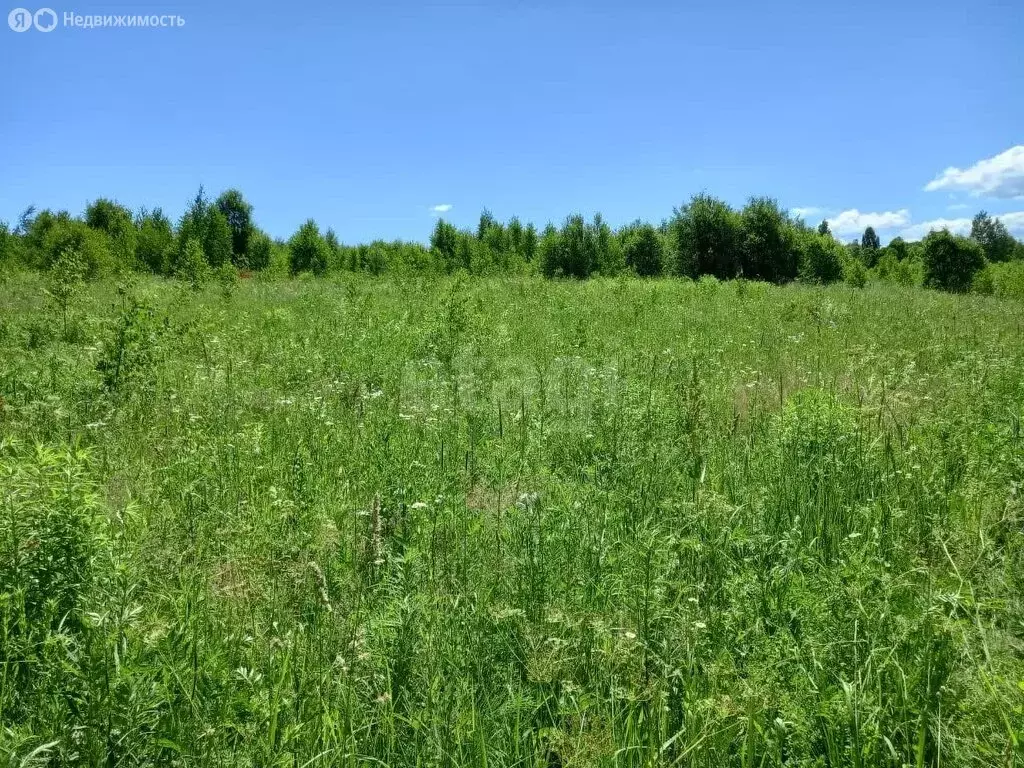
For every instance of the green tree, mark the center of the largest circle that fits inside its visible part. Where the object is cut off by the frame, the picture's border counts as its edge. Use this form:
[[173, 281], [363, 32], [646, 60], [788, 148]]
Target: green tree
[[192, 226], [608, 257], [706, 236], [869, 240], [333, 249], [155, 245], [217, 238], [496, 239], [769, 249], [117, 222], [260, 247], [10, 243], [643, 249], [445, 242], [51, 235], [309, 251], [869, 247], [192, 266], [578, 248], [64, 281], [529, 243], [238, 213], [898, 248], [486, 222], [993, 237], [821, 258], [823, 228], [549, 251], [951, 261], [514, 232]]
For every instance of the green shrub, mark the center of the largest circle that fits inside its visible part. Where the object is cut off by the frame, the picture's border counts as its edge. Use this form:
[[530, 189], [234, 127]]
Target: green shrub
[[821, 258], [260, 246], [49, 534], [129, 351], [706, 237], [643, 249], [155, 247], [192, 266], [984, 282], [64, 282], [854, 272], [51, 235], [951, 261], [226, 276], [1007, 279], [308, 250]]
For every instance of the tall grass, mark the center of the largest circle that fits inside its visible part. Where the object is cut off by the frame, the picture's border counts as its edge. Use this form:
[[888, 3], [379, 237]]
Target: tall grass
[[511, 522]]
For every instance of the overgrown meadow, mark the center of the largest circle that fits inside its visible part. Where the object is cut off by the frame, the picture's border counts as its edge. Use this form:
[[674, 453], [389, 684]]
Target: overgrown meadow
[[510, 522]]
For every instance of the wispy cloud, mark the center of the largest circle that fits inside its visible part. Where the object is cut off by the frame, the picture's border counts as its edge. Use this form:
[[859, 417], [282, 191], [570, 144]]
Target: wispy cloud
[[853, 222], [957, 207], [806, 212], [1001, 176], [439, 209]]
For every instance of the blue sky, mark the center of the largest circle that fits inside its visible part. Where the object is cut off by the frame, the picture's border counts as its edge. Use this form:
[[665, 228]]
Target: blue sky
[[366, 116]]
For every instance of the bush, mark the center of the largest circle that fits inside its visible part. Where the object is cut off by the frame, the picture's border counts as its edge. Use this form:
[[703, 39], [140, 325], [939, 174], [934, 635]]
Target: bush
[[9, 247], [227, 278], [705, 236], [909, 272], [984, 282], [1007, 279], [854, 272], [129, 353], [951, 261], [64, 281], [155, 245], [54, 234], [116, 221], [821, 258], [217, 238], [192, 266], [769, 250], [572, 253], [642, 249], [259, 250], [51, 544], [309, 250]]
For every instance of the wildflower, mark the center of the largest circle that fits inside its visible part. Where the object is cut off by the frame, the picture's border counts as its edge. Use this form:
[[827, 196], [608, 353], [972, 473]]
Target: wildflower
[[321, 582]]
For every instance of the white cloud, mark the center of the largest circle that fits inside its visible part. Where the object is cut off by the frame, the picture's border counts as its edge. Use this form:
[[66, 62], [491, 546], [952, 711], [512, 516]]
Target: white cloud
[[442, 208], [917, 231], [1000, 176], [805, 213], [1014, 222], [853, 222], [957, 207]]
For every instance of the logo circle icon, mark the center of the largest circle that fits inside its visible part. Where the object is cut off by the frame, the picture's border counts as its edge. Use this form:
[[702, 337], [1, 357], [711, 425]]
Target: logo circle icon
[[20, 19], [45, 19]]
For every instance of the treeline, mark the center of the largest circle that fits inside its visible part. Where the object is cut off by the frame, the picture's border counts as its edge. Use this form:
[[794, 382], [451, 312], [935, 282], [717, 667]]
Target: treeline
[[705, 237]]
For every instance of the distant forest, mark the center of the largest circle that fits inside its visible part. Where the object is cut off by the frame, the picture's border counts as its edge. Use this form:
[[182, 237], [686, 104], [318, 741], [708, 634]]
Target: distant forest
[[705, 238]]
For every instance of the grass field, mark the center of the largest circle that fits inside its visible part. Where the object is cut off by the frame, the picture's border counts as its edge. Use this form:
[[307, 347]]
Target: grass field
[[447, 522]]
